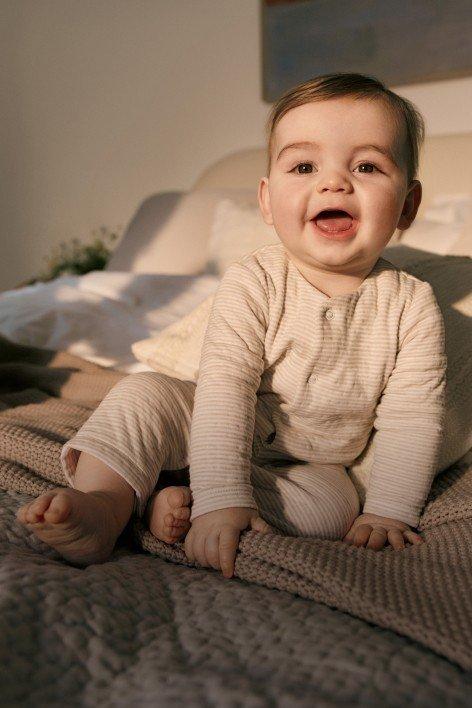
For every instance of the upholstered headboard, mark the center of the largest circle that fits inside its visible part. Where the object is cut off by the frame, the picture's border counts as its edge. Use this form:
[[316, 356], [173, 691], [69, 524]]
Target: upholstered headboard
[[445, 168]]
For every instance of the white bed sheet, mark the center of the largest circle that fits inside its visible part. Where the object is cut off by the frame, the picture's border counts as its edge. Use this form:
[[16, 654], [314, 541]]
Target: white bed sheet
[[99, 315]]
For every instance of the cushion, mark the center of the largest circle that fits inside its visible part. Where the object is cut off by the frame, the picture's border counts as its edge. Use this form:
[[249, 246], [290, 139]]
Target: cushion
[[445, 228], [176, 350], [170, 231], [238, 228]]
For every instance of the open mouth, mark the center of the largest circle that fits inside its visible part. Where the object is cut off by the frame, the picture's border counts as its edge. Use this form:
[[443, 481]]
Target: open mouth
[[333, 220]]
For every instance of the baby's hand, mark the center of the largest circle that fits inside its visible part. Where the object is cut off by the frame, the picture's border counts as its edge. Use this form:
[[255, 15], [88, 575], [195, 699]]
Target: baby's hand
[[213, 538], [377, 530]]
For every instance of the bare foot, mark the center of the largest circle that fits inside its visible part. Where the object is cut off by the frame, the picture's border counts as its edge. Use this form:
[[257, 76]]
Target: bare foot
[[167, 513], [80, 525]]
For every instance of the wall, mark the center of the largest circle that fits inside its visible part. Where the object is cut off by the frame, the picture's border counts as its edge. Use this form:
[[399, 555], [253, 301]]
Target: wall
[[108, 101]]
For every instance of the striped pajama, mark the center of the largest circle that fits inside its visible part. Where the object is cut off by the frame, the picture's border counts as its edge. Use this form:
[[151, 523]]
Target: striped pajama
[[142, 427]]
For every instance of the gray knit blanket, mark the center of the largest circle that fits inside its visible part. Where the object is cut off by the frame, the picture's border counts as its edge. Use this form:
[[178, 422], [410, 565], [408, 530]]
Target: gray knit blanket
[[301, 618]]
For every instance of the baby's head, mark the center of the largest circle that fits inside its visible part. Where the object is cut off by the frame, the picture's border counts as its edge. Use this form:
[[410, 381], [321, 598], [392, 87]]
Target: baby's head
[[321, 138]]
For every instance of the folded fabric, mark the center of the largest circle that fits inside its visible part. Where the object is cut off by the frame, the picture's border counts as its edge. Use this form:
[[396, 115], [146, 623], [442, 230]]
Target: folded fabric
[[176, 350]]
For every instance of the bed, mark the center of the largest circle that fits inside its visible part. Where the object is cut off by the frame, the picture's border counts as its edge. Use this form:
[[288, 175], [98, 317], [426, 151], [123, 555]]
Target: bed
[[303, 622]]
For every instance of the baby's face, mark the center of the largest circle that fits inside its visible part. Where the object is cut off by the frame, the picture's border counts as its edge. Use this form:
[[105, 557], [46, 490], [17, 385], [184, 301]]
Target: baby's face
[[368, 184]]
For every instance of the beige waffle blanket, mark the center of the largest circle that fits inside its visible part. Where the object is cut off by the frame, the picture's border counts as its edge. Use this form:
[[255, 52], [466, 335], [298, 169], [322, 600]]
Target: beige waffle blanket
[[422, 592]]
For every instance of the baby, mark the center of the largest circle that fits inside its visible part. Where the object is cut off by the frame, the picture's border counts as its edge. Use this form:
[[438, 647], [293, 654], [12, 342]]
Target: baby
[[311, 345]]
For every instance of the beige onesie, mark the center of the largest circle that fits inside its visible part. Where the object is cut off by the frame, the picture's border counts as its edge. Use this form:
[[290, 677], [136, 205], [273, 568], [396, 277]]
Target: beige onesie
[[323, 371]]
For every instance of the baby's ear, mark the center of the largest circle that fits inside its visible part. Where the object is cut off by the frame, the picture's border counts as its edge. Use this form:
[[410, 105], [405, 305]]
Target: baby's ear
[[264, 201], [411, 205]]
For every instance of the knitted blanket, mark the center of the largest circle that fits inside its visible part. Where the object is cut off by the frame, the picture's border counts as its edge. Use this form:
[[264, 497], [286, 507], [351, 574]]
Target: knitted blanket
[[422, 592]]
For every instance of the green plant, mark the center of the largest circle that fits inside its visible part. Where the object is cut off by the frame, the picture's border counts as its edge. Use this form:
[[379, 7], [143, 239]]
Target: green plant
[[78, 258]]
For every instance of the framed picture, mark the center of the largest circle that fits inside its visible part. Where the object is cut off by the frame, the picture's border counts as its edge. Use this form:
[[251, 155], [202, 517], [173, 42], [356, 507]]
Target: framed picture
[[399, 42]]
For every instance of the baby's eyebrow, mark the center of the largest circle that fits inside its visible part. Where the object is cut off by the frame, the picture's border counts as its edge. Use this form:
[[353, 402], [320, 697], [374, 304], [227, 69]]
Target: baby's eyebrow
[[371, 146]]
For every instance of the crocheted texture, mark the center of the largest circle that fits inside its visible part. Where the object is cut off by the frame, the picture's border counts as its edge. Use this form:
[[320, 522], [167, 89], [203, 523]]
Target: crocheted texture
[[422, 592]]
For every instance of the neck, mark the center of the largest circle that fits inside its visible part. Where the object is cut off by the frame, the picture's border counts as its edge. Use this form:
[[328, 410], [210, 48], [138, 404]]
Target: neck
[[331, 283]]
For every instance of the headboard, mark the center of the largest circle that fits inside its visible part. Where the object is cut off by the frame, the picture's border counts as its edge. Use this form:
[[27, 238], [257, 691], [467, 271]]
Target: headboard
[[445, 168]]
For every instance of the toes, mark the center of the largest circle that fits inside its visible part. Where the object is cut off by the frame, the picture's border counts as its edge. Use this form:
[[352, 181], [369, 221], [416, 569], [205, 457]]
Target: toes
[[179, 496], [33, 512], [183, 514], [53, 506], [176, 533], [21, 513], [59, 508], [170, 534], [171, 520]]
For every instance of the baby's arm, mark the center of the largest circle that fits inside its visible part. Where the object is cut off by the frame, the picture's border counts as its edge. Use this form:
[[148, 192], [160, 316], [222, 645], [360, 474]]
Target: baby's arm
[[410, 416], [222, 426]]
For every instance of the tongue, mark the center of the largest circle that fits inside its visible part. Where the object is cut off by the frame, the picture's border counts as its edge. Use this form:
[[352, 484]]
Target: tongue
[[333, 221]]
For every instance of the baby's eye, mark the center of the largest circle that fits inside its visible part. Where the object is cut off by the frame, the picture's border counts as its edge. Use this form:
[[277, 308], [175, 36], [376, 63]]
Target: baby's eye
[[302, 164], [367, 164]]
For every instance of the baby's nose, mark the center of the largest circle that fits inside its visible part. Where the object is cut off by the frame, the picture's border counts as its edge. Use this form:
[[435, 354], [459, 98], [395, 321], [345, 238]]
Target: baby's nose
[[333, 180]]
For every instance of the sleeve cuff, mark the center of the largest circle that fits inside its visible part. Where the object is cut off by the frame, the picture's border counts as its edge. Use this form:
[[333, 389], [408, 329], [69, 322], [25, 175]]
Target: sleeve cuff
[[408, 516], [204, 501]]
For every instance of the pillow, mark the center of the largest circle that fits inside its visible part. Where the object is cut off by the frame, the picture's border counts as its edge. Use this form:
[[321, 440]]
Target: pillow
[[176, 350], [238, 228], [450, 208], [170, 231], [445, 228]]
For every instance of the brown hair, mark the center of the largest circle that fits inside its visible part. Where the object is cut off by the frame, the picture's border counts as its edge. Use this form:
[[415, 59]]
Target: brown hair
[[358, 86]]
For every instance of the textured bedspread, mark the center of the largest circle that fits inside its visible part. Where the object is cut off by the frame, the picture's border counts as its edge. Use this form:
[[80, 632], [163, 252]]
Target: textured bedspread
[[390, 627]]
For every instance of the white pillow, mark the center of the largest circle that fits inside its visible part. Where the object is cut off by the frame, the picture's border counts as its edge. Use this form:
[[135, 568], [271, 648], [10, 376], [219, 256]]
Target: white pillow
[[445, 227], [176, 350], [238, 228], [170, 231], [450, 208]]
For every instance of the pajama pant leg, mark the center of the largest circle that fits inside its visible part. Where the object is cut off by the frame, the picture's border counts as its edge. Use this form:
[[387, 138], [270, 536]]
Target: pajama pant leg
[[306, 499], [142, 427]]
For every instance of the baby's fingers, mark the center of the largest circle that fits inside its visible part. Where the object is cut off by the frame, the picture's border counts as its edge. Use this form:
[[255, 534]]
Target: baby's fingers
[[395, 538], [229, 541], [377, 539], [413, 537], [198, 548], [212, 550], [361, 534]]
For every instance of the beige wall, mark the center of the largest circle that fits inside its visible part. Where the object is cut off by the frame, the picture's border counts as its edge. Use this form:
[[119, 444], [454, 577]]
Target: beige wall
[[109, 101]]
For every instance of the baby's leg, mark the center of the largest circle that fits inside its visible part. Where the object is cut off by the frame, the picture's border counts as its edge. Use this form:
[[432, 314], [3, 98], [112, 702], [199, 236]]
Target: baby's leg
[[114, 462], [306, 499], [82, 523]]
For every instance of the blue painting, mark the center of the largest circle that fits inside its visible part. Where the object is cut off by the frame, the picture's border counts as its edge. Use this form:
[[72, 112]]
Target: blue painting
[[401, 42]]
